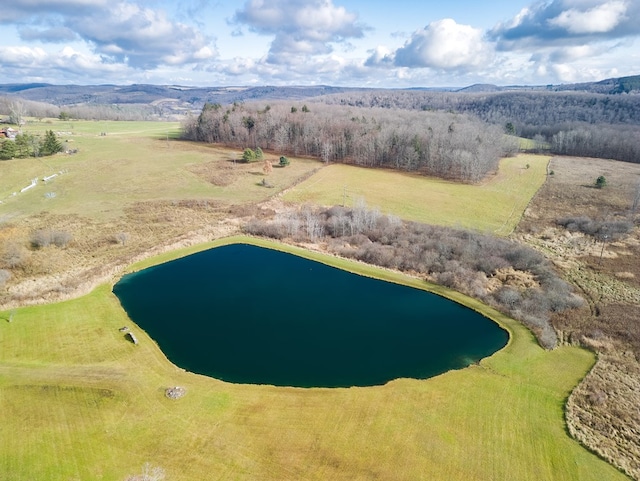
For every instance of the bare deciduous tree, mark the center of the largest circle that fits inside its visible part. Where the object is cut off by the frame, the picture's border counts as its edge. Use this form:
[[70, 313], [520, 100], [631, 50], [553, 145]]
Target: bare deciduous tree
[[122, 237], [267, 168], [14, 255]]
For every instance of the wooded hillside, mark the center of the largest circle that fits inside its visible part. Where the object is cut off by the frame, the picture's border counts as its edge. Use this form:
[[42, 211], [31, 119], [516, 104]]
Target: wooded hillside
[[452, 146], [569, 123]]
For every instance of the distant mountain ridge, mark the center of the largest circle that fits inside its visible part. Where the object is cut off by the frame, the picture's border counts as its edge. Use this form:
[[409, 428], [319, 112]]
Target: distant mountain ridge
[[195, 97], [612, 86], [66, 95]]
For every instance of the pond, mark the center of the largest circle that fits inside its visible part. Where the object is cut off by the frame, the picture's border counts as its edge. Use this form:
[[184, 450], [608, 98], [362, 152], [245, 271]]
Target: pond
[[246, 314]]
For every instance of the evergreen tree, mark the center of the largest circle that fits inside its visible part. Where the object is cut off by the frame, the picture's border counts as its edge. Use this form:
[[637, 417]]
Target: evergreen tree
[[50, 145], [7, 150], [248, 155], [23, 146]]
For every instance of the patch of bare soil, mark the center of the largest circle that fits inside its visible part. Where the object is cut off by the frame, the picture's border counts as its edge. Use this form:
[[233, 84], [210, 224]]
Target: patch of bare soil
[[603, 411]]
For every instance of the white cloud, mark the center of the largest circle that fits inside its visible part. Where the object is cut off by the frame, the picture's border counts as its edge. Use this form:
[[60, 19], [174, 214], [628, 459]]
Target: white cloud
[[299, 27], [143, 37], [30, 64], [123, 31], [21, 56], [572, 53], [381, 55], [445, 45], [599, 19], [569, 22], [27, 10]]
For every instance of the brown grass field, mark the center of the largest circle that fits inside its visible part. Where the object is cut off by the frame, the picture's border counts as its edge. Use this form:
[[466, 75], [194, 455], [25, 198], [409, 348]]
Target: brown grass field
[[603, 411]]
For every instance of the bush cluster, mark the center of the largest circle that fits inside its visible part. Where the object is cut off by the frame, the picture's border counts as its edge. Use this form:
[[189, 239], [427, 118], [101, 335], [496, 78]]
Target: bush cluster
[[46, 237], [460, 259], [601, 230]]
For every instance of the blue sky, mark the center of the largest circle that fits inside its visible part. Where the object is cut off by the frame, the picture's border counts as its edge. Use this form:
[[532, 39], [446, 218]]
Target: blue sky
[[397, 43]]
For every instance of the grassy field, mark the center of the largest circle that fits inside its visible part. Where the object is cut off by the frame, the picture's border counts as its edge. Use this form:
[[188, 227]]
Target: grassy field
[[133, 162], [81, 402], [494, 206]]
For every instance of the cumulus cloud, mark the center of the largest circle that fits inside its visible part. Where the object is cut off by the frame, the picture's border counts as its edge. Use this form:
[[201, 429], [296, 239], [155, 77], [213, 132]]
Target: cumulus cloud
[[379, 56], [598, 19], [142, 37], [120, 31], [40, 10], [569, 22], [27, 62], [299, 27], [568, 40], [443, 44]]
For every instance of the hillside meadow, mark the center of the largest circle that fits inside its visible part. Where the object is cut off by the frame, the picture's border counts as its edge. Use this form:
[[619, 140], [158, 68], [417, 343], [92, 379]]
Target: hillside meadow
[[494, 206], [82, 402]]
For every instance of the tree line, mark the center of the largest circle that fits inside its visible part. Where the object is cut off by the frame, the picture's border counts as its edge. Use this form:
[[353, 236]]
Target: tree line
[[18, 109], [447, 145], [566, 123], [475, 264]]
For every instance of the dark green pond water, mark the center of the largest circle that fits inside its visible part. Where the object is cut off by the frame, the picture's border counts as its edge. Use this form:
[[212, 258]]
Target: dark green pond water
[[245, 314]]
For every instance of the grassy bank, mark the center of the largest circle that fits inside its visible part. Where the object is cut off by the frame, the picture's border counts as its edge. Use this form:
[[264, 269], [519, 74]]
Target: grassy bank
[[81, 402]]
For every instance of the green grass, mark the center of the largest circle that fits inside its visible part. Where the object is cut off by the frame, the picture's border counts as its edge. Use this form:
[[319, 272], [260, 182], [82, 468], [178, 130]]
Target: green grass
[[494, 206], [134, 162], [80, 402]]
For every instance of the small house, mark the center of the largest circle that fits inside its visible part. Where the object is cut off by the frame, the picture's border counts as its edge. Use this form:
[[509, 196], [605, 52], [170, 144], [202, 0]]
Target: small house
[[8, 133]]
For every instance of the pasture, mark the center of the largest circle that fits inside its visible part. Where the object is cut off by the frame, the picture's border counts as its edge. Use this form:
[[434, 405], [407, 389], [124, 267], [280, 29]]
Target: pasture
[[132, 162], [494, 206], [81, 402]]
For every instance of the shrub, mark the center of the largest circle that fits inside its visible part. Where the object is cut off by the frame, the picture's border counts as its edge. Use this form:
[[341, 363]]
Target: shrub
[[601, 182], [14, 256], [600, 229], [508, 297], [45, 237], [40, 238], [61, 238]]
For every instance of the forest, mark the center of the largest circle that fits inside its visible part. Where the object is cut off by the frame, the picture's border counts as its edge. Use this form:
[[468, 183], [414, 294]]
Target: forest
[[565, 123], [448, 145]]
